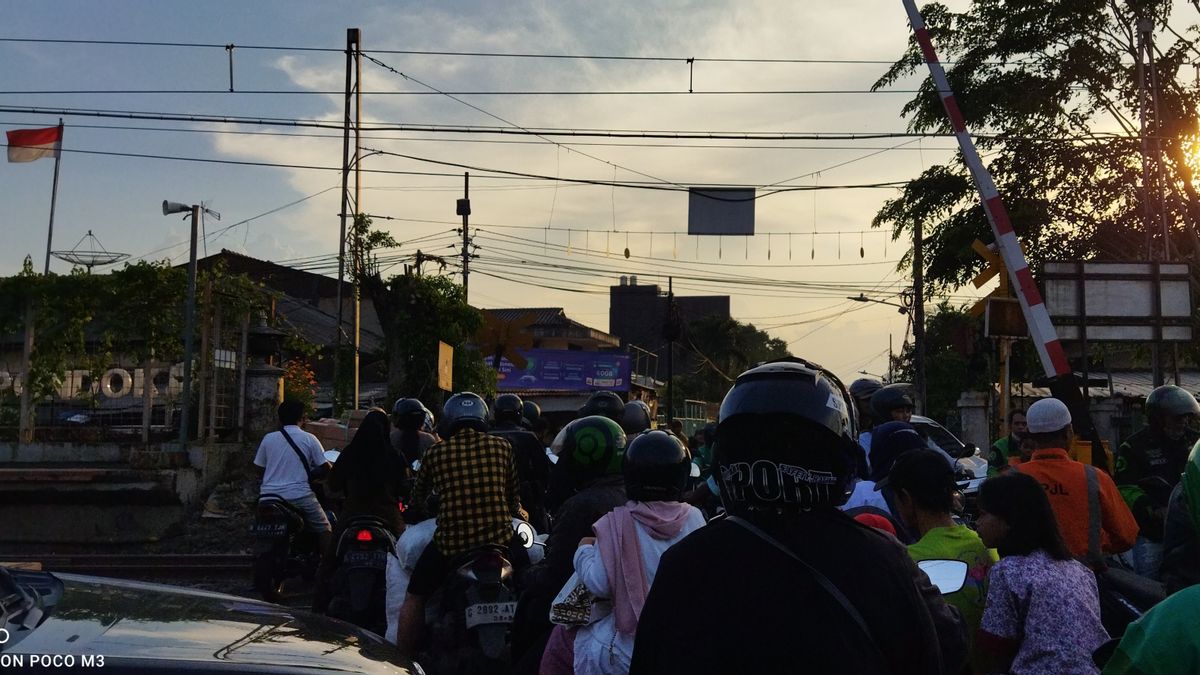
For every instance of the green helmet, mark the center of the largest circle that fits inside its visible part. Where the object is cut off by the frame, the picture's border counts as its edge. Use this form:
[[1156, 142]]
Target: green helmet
[[590, 447], [1171, 401]]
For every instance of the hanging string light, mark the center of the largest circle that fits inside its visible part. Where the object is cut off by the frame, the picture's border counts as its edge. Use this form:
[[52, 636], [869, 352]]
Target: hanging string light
[[626, 244], [675, 246], [768, 247], [862, 251]]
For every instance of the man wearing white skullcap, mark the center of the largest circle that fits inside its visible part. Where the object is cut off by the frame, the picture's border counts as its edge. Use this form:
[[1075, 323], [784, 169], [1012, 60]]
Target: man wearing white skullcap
[[1093, 518]]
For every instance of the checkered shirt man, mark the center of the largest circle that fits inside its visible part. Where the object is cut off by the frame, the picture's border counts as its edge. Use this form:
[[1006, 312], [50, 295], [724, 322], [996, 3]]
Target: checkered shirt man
[[475, 478]]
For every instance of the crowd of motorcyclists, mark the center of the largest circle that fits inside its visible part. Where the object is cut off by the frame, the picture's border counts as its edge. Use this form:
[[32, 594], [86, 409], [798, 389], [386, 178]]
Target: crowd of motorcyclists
[[785, 537]]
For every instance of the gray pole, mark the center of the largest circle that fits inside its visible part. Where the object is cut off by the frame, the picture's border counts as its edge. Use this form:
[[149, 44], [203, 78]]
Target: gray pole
[[351, 39], [189, 327], [359, 263], [671, 350], [919, 316], [54, 198], [466, 213]]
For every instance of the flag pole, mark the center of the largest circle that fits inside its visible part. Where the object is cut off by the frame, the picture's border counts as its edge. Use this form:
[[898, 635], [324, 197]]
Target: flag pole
[[53, 197]]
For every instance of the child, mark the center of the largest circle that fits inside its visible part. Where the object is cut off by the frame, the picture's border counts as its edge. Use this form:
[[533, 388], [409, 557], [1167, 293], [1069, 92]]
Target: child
[[1043, 608], [923, 489]]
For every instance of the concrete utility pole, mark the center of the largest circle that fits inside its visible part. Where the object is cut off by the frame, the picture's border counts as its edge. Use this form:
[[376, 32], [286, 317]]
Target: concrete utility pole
[[359, 264], [463, 208], [352, 37], [919, 316]]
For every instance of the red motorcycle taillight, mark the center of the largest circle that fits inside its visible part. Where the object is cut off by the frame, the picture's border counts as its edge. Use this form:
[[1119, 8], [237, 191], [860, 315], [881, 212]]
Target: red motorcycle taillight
[[363, 535]]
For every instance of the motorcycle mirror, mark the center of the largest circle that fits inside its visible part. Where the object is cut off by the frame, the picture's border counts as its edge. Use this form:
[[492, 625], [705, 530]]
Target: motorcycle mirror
[[695, 471], [948, 575], [331, 456], [525, 533]]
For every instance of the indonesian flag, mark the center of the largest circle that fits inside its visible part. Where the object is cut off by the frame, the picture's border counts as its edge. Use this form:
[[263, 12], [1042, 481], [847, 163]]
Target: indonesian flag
[[26, 145]]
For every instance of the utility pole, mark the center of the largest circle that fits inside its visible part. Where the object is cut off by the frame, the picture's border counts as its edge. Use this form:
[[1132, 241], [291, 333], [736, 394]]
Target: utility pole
[[671, 330], [1144, 28], [189, 329], [352, 37], [359, 263], [919, 315], [463, 208]]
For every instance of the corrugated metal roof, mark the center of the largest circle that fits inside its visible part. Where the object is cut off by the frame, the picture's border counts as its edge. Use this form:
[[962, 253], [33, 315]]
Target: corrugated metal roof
[[318, 326], [1130, 384], [542, 316]]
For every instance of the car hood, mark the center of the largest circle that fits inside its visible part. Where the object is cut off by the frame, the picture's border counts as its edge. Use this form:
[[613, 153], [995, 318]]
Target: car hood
[[130, 621]]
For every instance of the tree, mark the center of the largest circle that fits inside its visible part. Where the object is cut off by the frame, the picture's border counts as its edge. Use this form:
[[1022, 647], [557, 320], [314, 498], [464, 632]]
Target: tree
[[416, 312], [1050, 90], [956, 359], [719, 349]]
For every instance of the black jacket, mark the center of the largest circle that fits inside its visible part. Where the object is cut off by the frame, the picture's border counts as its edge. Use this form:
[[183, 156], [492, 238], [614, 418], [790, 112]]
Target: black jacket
[[533, 471], [726, 602]]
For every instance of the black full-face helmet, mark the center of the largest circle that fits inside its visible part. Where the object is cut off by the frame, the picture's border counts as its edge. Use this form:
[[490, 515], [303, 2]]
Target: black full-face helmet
[[508, 408], [657, 466], [604, 403], [464, 410], [531, 411], [785, 439]]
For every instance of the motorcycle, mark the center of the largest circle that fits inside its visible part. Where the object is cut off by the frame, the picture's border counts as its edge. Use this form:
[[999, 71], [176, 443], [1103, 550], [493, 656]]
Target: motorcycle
[[469, 618], [358, 586], [284, 547]]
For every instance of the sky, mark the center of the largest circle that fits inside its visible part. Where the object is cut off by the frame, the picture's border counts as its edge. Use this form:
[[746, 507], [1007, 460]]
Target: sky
[[792, 278]]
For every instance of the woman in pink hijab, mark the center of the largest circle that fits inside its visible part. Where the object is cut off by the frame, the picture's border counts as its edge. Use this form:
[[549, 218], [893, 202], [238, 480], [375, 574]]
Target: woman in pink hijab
[[618, 564]]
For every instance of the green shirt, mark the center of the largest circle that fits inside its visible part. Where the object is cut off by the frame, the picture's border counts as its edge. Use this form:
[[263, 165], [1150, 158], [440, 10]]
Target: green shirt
[[961, 543], [1164, 641]]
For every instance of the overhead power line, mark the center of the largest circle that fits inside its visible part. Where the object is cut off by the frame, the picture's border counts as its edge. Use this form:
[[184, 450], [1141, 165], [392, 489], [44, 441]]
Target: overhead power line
[[538, 131], [481, 92]]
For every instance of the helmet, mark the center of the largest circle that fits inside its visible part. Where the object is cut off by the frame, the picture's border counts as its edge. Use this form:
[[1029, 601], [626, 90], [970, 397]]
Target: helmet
[[590, 447], [531, 411], [604, 403], [710, 433], [409, 413], [463, 410], [863, 387], [657, 466], [507, 408], [785, 440], [636, 417], [890, 397], [1171, 401]]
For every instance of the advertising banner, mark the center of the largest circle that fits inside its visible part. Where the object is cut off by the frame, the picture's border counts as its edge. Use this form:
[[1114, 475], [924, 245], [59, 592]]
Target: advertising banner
[[563, 370]]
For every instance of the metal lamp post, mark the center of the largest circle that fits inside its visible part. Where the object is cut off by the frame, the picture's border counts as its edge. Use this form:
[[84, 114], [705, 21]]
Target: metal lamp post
[[189, 328]]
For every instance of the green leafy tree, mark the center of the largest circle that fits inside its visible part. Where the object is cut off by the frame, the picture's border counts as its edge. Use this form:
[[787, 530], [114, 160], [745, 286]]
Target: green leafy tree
[[718, 350], [956, 359], [1049, 88], [416, 312]]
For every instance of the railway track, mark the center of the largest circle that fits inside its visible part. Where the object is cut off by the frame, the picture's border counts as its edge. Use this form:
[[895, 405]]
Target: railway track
[[138, 565]]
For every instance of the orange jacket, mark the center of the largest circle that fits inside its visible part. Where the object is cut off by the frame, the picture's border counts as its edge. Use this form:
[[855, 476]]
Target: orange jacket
[[1066, 485]]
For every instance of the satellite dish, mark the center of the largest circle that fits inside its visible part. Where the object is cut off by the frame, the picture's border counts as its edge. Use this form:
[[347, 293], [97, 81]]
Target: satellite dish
[[90, 257]]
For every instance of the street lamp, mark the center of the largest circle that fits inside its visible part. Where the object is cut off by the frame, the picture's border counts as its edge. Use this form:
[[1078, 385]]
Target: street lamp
[[862, 297], [189, 328]]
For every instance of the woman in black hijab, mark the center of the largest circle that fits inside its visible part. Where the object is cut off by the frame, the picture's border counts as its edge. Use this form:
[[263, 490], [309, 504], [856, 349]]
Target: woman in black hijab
[[369, 472]]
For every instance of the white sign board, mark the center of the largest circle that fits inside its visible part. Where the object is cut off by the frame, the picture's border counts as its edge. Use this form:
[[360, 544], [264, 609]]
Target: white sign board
[[1119, 302], [721, 211]]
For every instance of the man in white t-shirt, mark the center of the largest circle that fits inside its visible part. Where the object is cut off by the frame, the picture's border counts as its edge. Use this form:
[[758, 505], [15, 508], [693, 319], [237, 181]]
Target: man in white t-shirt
[[285, 475]]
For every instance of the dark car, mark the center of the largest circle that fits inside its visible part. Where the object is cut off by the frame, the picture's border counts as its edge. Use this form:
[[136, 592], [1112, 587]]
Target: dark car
[[68, 621]]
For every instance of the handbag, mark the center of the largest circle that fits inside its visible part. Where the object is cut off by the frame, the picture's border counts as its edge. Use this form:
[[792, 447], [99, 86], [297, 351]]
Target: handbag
[[575, 605], [313, 474]]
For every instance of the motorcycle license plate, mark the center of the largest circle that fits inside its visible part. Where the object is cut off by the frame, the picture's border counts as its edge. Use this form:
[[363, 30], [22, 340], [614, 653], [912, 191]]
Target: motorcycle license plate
[[373, 559], [268, 529], [490, 612]]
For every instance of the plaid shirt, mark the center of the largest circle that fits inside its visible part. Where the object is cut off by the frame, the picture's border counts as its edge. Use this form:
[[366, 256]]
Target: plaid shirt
[[475, 478]]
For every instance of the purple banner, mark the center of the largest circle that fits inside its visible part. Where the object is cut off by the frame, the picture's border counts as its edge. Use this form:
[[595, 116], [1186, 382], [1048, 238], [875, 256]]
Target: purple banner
[[563, 370]]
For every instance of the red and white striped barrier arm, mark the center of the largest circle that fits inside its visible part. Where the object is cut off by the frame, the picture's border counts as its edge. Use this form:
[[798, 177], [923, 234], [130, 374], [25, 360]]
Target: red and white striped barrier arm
[[1041, 330]]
